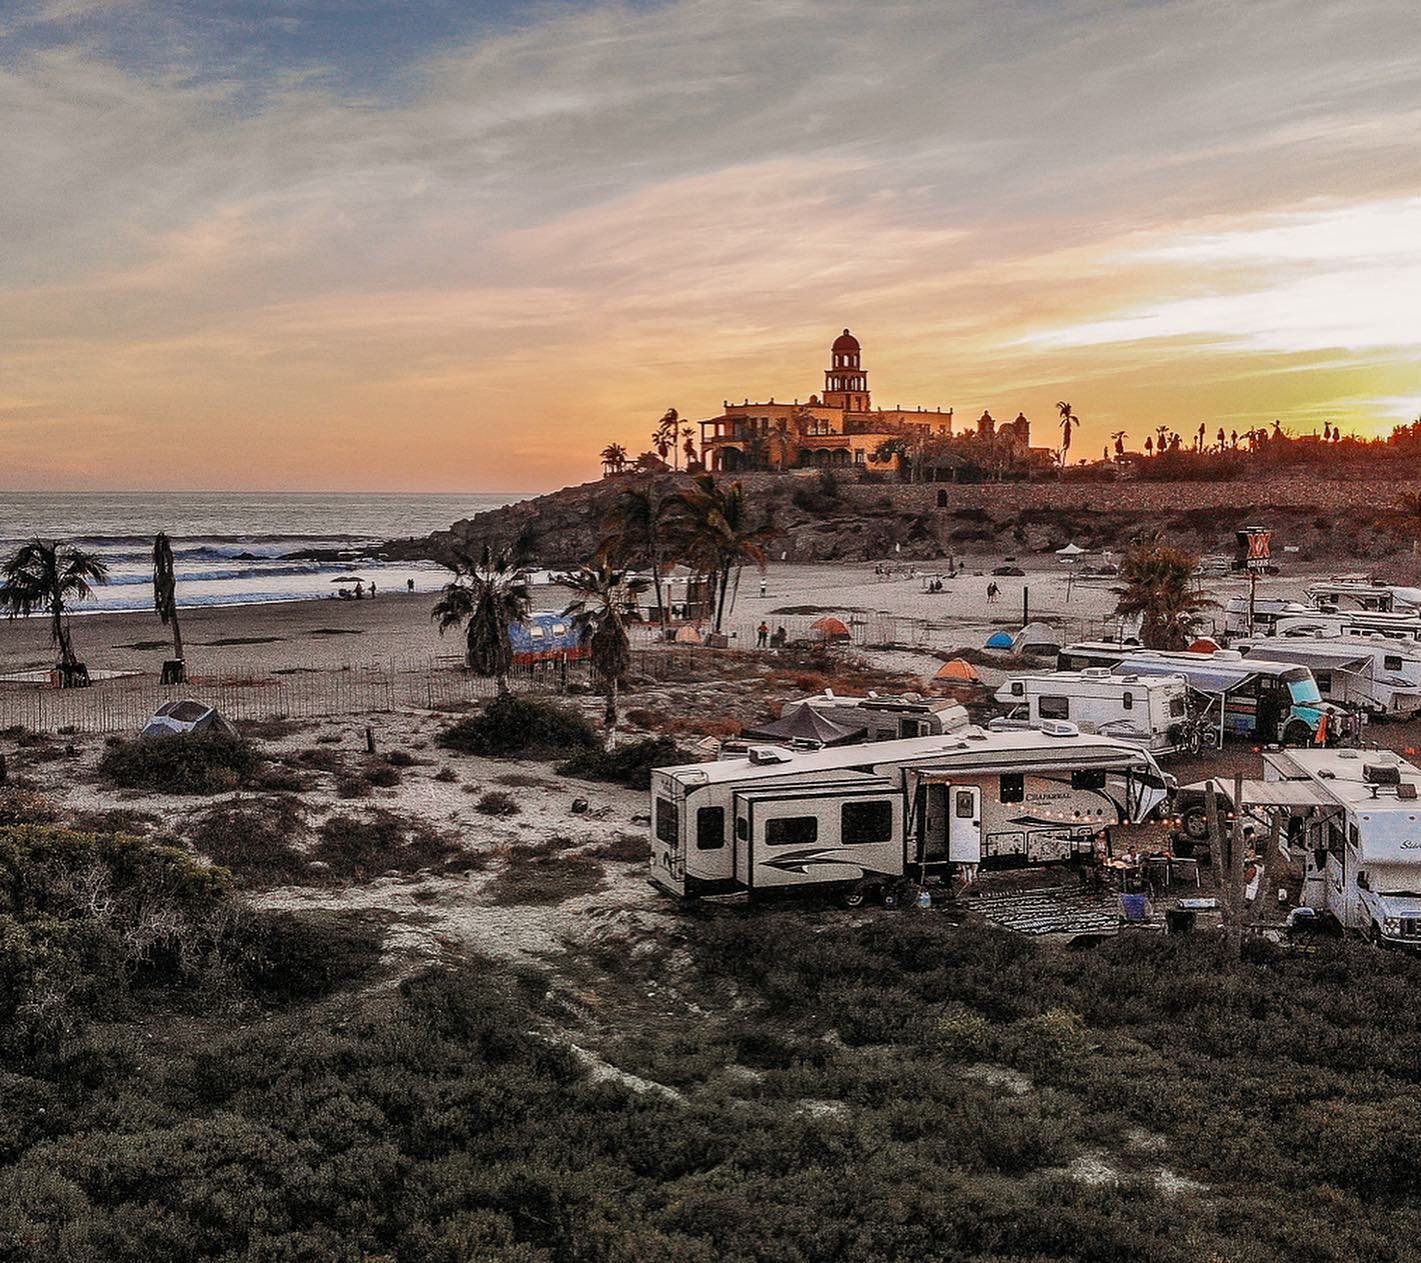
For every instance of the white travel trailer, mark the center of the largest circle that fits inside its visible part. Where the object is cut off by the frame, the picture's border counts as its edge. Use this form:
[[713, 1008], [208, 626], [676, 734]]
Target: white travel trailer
[[1262, 616], [1151, 711], [1368, 595], [1371, 674], [1359, 823], [857, 818], [1350, 623]]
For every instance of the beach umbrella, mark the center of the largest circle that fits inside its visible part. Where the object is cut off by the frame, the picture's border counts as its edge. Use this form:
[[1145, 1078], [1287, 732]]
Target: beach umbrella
[[998, 640], [1205, 644], [829, 628], [958, 671], [349, 578]]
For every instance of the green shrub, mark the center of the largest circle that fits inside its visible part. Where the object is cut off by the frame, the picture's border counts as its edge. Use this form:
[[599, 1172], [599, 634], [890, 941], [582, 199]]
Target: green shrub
[[497, 802], [257, 840], [24, 806], [88, 918], [383, 775], [530, 877], [288, 957], [518, 725], [183, 763], [360, 847], [629, 764]]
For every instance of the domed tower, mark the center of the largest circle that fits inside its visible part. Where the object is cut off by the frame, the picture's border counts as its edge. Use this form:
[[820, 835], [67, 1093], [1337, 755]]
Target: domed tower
[[845, 382]]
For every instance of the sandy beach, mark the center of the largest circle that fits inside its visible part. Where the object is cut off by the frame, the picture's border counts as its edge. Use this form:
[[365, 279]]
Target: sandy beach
[[395, 628]]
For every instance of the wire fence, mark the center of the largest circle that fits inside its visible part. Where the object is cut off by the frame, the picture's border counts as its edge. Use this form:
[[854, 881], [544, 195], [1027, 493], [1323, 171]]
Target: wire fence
[[125, 704]]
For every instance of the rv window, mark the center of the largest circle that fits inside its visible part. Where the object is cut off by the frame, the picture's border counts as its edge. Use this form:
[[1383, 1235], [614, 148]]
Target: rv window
[[1324, 681], [1334, 839], [667, 823], [1127, 701], [861, 824], [1391, 662], [1088, 778], [1013, 788], [1018, 689], [965, 804], [1054, 707], [792, 830], [535, 632], [910, 728], [1176, 708], [1354, 835], [710, 828], [742, 828]]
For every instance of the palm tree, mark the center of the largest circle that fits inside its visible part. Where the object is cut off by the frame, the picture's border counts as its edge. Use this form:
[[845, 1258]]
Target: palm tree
[[165, 601], [664, 437], [491, 593], [720, 539], [599, 615], [1068, 420], [641, 526], [614, 458], [1120, 436], [1157, 586], [50, 577]]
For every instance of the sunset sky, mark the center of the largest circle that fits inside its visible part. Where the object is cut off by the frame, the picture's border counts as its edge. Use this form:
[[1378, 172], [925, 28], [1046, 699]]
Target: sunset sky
[[359, 244]]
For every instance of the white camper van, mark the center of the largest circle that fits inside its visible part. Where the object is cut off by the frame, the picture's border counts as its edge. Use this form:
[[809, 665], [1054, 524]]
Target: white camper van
[[1148, 711], [1359, 823], [859, 817]]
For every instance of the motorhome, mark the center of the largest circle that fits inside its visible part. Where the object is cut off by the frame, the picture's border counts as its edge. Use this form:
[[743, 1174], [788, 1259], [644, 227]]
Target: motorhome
[[1151, 711], [1358, 820], [1334, 595], [1262, 700], [1373, 675], [857, 818]]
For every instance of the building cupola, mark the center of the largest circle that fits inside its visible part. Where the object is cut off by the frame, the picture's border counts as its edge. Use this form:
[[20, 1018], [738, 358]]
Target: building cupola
[[845, 381]]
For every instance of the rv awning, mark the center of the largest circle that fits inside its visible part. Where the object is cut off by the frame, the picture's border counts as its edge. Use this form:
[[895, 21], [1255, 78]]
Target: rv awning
[[1291, 794], [1318, 658], [1204, 679]]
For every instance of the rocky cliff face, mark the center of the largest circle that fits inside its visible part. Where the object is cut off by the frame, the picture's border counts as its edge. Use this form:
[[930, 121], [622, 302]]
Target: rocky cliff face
[[827, 519]]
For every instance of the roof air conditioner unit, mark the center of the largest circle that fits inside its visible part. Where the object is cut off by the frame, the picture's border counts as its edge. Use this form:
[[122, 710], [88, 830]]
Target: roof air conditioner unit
[[1381, 774], [1227, 655], [1059, 728], [761, 755], [1096, 673]]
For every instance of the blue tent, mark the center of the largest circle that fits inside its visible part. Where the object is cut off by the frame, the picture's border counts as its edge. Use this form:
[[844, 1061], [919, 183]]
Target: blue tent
[[999, 640]]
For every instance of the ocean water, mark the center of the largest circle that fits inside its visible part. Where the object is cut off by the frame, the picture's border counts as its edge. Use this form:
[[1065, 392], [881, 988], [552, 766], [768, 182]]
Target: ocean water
[[235, 549]]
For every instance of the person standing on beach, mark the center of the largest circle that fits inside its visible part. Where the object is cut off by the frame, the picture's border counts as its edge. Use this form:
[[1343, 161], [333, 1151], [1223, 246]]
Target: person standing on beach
[[359, 590], [372, 589], [762, 634], [409, 585]]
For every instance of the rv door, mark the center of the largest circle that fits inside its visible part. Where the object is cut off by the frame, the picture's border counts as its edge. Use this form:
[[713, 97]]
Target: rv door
[[964, 824]]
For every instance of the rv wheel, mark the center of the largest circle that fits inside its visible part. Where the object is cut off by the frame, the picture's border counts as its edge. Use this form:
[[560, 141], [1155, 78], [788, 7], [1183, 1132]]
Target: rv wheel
[[855, 896], [1195, 823], [1297, 733]]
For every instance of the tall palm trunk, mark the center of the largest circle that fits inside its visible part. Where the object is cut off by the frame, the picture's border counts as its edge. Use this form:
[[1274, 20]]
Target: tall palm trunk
[[656, 582], [609, 713], [60, 633]]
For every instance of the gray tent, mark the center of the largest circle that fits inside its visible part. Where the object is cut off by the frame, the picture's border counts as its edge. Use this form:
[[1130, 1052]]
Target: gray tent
[[186, 716], [803, 723], [1036, 638]]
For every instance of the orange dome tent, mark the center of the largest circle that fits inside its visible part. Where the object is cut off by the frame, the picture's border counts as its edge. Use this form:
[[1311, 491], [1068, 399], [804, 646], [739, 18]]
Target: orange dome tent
[[828, 628], [688, 635], [1205, 644], [958, 671]]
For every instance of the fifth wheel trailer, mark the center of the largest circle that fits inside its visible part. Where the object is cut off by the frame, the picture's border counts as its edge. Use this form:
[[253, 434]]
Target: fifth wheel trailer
[[854, 817], [1358, 816]]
